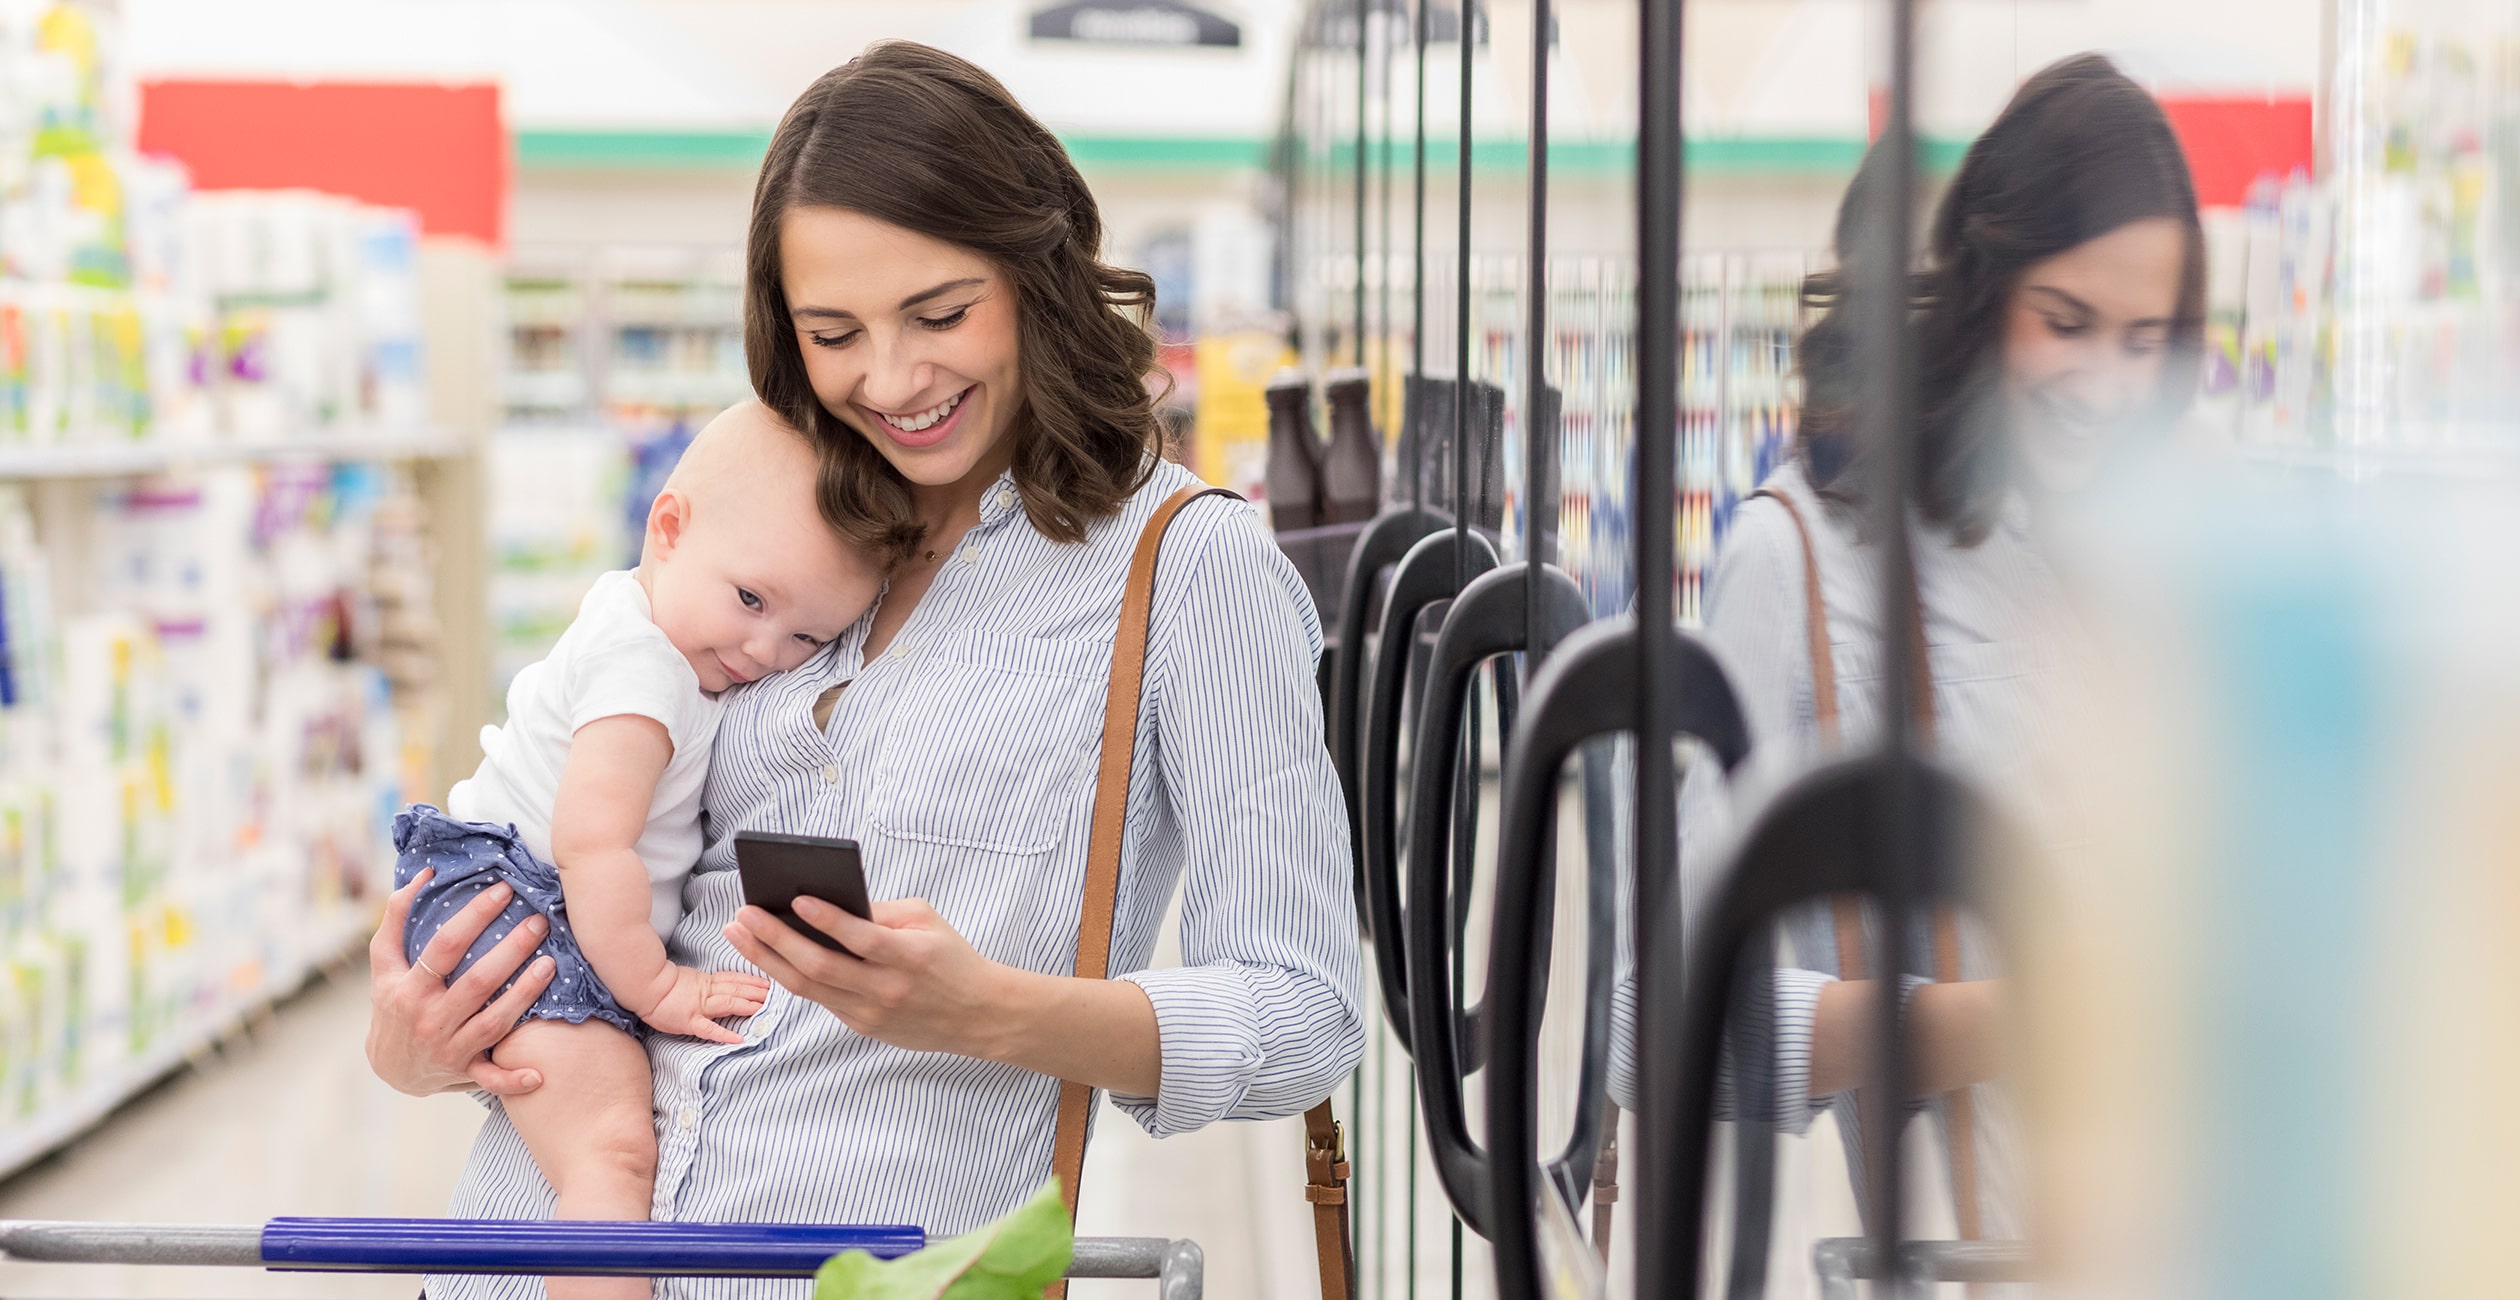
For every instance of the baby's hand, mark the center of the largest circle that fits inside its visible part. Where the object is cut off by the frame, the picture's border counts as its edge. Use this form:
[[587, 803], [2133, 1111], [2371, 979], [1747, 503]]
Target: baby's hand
[[699, 999]]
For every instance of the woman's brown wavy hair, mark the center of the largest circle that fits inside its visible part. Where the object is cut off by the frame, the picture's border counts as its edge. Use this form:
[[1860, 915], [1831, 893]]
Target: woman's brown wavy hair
[[917, 138], [2079, 152]]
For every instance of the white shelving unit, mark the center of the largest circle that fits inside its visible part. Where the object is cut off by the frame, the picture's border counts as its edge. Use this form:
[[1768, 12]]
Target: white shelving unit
[[67, 1119], [102, 459]]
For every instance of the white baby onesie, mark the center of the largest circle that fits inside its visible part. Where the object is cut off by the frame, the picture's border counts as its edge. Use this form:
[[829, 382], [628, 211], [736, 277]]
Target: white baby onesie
[[613, 660]]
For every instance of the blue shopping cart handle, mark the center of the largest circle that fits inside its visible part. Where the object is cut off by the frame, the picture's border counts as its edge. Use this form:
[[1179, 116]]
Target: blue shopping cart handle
[[573, 1248]]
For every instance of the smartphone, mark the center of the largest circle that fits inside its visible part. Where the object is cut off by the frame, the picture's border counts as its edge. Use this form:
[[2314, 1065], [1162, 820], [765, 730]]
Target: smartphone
[[776, 870]]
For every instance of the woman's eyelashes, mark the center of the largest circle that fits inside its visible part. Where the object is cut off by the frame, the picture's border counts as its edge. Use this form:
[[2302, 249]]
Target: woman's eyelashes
[[938, 324]]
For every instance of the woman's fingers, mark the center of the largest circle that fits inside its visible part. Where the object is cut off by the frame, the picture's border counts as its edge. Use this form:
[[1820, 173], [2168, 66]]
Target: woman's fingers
[[476, 985], [493, 1022], [760, 954], [865, 938], [499, 1081], [445, 949], [385, 951], [807, 958]]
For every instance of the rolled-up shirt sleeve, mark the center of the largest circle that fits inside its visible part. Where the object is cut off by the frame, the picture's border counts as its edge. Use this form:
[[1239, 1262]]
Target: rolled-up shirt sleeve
[[1262, 1018]]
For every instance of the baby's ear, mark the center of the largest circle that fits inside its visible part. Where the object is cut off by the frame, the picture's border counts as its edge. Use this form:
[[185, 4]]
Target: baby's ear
[[668, 517]]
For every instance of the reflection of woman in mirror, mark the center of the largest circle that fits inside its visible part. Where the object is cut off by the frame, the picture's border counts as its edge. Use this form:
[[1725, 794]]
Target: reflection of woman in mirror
[[2058, 309]]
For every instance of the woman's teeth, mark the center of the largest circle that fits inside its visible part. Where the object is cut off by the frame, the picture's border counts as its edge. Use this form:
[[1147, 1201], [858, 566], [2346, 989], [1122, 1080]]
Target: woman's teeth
[[927, 418]]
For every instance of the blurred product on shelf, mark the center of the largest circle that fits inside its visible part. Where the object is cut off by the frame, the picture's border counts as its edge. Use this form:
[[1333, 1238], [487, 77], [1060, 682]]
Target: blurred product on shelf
[[2375, 311], [1351, 466], [218, 627], [1294, 484], [557, 517], [132, 309], [642, 338], [199, 760]]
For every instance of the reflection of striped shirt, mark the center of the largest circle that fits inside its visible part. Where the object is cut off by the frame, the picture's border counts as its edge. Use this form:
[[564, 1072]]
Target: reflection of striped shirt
[[1985, 608], [962, 760]]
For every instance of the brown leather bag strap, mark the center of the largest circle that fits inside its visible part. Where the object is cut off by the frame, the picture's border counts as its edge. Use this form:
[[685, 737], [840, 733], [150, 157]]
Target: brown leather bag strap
[[1325, 1142], [1847, 916], [1605, 1189], [1824, 704], [1111, 816], [1326, 1186]]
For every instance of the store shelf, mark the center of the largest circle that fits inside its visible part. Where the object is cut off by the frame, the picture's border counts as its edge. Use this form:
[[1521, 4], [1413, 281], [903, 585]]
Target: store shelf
[[72, 460], [68, 1119]]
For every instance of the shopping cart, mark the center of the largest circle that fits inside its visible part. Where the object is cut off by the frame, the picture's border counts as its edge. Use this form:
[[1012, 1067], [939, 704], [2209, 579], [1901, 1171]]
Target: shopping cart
[[1841, 1261], [543, 1248]]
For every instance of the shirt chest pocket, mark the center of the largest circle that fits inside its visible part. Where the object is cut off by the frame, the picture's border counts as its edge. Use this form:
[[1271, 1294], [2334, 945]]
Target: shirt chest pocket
[[994, 743]]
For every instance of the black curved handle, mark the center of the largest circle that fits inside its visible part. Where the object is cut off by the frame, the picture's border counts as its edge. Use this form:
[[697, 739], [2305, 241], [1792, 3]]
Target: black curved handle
[[1493, 616], [1424, 576], [1585, 690], [1824, 834], [1381, 545]]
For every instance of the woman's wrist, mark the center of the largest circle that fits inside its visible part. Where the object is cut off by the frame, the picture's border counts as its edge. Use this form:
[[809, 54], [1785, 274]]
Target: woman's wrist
[[1016, 1006]]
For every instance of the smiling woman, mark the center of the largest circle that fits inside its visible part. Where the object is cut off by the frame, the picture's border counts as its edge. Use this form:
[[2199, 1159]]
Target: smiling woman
[[921, 245], [927, 302]]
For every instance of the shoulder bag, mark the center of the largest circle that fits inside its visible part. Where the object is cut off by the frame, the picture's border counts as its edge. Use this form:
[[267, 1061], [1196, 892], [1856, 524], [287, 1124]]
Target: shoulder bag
[[1325, 1142]]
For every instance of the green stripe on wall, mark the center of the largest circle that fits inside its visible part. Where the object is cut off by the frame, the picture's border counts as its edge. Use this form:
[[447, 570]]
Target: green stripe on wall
[[1765, 155]]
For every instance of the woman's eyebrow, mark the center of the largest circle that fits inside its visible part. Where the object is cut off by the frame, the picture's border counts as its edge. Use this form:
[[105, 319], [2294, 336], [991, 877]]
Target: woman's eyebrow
[[923, 295], [2065, 299]]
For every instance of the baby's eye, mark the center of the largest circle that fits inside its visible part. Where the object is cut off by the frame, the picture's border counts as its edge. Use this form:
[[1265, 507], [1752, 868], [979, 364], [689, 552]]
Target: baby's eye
[[945, 322], [812, 641], [750, 600]]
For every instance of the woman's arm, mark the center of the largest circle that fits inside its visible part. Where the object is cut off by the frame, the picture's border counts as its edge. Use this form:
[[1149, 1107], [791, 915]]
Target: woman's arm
[[606, 787], [428, 1035], [916, 984], [1263, 1017], [1955, 1036]]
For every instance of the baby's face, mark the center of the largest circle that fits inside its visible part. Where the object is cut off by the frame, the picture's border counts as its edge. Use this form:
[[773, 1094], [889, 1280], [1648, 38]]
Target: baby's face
[[756, 589]]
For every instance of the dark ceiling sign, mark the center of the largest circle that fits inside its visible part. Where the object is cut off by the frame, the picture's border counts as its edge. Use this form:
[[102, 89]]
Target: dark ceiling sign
[[1162, 23]]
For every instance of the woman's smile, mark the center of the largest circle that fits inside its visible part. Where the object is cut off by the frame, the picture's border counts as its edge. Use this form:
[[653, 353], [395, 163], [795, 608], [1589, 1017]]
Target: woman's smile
[[922, 428]]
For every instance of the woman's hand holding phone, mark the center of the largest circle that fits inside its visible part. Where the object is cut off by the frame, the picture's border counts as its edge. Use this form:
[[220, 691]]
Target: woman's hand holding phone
[[913, 981]]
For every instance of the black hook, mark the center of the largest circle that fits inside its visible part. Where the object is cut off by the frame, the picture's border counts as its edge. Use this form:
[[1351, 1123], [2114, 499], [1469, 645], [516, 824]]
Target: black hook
[[1425, 576], [1586, 690], [1492, 617]]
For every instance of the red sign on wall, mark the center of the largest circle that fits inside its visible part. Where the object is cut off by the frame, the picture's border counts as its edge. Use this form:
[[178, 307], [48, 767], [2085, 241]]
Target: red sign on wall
[[2232, 142], [441, 149]]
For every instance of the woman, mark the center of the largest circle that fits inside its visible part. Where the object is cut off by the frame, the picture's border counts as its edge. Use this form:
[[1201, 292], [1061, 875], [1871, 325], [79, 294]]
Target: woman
[[2058, 313], [926, 300]]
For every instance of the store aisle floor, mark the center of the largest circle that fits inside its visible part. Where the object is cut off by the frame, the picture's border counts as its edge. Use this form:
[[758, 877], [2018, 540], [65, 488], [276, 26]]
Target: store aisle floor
[[289, 1121]]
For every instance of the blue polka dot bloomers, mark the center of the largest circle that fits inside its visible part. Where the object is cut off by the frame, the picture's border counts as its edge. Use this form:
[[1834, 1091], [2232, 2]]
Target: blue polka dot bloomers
[[470, 857]]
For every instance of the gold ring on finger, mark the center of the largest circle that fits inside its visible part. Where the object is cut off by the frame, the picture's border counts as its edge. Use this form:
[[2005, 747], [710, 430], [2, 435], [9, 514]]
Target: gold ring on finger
[[441, 978]]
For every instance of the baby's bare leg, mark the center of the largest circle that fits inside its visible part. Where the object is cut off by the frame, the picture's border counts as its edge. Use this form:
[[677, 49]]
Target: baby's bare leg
[[590, 1128]]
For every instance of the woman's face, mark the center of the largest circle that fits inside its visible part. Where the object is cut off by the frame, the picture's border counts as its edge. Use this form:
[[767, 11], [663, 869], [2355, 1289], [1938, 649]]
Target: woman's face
[[909, 340], [2086, 336]]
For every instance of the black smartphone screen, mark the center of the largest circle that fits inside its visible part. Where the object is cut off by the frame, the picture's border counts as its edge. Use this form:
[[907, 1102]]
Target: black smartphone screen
[[778, 869]]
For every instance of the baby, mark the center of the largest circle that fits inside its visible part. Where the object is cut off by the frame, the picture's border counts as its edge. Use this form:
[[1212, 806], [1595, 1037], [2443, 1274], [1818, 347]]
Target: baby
[[599, 771]]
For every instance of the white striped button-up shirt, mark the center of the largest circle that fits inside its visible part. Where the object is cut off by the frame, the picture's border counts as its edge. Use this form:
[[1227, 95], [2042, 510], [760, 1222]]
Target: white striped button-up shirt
[[1990, 614], [962, 760]]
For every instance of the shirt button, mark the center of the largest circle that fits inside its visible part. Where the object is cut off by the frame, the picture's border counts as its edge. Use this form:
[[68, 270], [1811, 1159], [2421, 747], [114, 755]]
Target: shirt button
[[901, 651], [689, 1120], [1005, 497], [831, 773]]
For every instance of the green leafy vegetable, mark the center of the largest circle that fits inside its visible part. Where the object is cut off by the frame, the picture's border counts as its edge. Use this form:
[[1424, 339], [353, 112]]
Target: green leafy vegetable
[[1014, 1258]]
